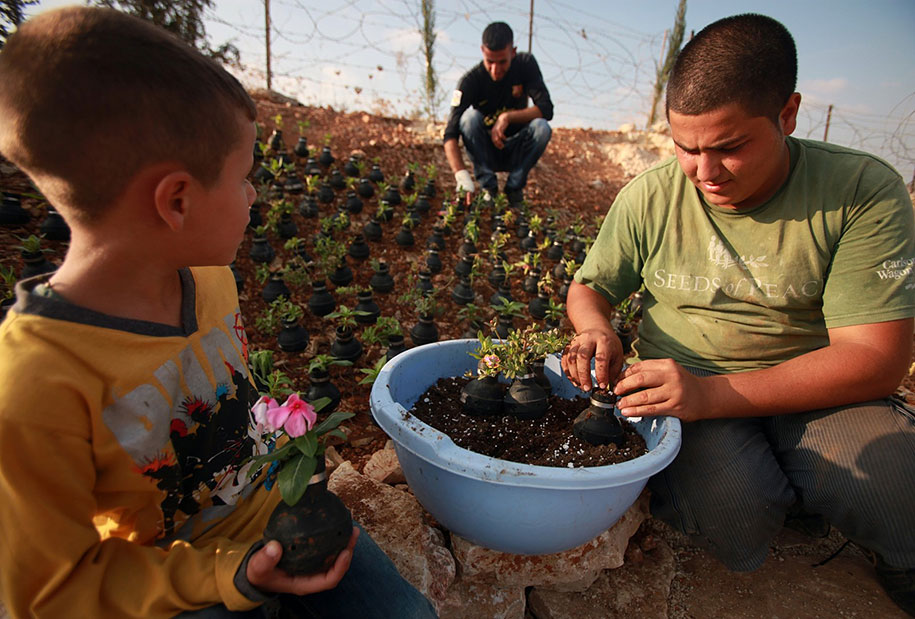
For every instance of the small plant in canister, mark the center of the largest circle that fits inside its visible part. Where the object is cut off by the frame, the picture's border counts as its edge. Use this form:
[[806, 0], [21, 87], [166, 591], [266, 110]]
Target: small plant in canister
[[33, 255], [319, 376], [598, 424], [311, 523], [293, 337], [484, 395], [345, 346]]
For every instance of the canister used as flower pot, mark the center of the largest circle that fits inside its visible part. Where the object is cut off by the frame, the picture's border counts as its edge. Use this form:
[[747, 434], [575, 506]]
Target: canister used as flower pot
[[54, 228], [11, 211], [293, 337], [365, 303], [433, 261], [506, 506], [321, 302], [342, 275], [375, 174], [345, 345], [424, 331], [275, 288], [365, 188], [314, 530], [372, 229], [359, 250], [525, 399], [598, 424], [301, 147], [326, 159], [395, 346], [322, 387], [483, 396], [381, 281], [261, 250]]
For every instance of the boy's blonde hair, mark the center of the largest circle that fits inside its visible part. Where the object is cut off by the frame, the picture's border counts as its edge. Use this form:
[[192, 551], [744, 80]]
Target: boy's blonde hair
[[90, 96]]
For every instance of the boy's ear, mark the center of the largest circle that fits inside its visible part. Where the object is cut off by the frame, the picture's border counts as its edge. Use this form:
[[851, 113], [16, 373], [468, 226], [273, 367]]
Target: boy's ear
[[173, 198]]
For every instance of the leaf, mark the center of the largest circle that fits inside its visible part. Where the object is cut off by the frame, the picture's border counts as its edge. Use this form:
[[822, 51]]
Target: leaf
[[332, 421], [338, 433], [293, 478], [307, 444], [277, 454], [320, 403]]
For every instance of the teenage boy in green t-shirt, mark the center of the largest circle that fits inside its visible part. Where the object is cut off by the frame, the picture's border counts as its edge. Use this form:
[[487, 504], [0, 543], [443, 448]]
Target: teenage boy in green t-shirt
[[777, 320]]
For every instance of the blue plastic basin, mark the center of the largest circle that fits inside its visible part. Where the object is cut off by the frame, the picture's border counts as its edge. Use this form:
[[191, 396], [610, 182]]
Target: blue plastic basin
[[502, 505]]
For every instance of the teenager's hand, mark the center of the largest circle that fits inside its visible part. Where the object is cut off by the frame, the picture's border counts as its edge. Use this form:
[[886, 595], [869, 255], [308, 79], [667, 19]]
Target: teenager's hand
[[663, 387], [498, 131], [599, 344], [263, 573]]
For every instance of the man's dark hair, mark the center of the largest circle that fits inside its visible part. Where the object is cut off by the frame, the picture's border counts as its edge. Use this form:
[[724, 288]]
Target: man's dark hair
[[497, 36], [746, 59]]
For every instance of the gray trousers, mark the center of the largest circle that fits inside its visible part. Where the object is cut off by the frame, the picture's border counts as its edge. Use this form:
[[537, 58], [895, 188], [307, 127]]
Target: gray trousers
[[734, 480]]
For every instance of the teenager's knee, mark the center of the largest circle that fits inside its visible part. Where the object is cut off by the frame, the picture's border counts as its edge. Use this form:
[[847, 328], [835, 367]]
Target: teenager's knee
[[471, 122], [540, 131]]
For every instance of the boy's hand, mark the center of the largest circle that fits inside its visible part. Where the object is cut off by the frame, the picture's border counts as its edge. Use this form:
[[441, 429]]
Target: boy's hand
[[263, 573]]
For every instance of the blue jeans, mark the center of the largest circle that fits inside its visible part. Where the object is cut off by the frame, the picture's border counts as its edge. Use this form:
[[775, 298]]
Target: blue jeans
[[517, 157], [734, 480], [371, 589]]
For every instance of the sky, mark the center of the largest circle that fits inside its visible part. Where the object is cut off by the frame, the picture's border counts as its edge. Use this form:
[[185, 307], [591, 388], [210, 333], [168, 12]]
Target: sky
[[597, 57]]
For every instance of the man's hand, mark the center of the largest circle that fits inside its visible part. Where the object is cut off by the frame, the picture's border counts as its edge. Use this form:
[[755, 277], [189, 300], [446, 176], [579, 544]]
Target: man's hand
[[600, 344], [498, 130], [663, 387], [464, 182], [263, 573]]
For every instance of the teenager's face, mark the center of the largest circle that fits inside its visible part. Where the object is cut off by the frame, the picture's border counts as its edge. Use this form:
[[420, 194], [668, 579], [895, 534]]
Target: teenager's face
[[736, 160], [497, 62], [227, 203]]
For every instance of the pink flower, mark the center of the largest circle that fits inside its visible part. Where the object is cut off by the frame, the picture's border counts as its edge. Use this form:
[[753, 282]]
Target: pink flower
[[491, 361], [261, 410], [296, 416]]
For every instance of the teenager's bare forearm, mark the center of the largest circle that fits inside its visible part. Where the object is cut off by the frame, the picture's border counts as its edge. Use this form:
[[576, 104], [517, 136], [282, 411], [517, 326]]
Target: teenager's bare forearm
[[587, 309], [523, 116], [861, 363]]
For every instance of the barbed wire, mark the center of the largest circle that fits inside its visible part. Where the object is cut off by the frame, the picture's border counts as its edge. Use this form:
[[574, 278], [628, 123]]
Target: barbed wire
[[365, 55]]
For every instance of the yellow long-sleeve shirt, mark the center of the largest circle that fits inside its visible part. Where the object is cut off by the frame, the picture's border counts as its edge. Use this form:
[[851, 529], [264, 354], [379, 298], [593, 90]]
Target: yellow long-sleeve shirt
[[122, 444]]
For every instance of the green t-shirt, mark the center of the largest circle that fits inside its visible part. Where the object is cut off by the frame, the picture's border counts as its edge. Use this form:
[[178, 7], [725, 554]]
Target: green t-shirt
[[731, 291]]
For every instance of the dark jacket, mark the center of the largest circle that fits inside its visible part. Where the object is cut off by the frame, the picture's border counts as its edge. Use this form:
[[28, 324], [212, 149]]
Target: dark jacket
[[477, 88]]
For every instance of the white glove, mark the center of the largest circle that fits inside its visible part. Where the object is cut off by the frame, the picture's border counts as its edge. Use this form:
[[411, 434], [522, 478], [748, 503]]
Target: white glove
[[464, 181]]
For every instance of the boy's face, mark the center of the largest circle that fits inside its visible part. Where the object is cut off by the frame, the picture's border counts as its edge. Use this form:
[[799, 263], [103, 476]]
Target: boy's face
[[736, 160], [226, 205]]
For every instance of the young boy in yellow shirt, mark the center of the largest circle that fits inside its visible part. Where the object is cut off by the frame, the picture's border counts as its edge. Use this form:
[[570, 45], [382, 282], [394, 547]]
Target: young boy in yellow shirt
[[124, 385]]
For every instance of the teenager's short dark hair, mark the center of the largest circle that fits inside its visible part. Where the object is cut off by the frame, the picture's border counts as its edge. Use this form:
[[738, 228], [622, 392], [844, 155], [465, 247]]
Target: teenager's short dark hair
[[90, 96], [497, 36], [747, 59]]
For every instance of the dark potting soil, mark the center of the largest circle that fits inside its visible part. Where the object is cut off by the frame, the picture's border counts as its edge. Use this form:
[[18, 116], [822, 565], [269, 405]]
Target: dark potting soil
[[547, 441]]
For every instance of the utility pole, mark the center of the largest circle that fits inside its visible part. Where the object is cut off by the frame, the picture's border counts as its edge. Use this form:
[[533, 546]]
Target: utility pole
[[267, 39], [828, 118], [530, 29]]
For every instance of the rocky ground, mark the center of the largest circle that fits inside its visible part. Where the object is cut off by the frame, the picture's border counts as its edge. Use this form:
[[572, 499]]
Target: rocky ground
[[656, 573]]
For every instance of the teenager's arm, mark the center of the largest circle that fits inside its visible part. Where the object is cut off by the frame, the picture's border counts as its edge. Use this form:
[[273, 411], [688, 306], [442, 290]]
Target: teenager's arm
[[512, 117], [861, 363]]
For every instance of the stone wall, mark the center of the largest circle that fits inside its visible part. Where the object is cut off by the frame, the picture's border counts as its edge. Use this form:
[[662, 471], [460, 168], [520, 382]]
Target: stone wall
[[467, 581]]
